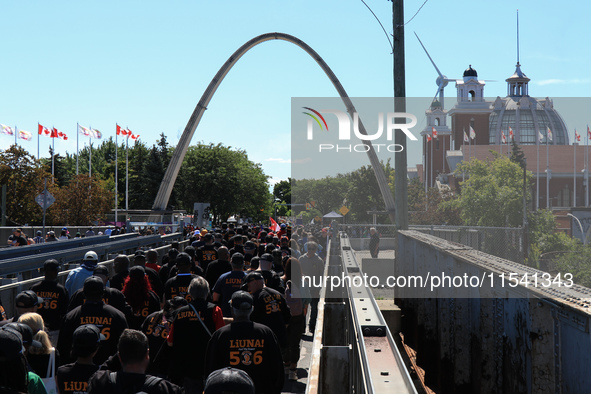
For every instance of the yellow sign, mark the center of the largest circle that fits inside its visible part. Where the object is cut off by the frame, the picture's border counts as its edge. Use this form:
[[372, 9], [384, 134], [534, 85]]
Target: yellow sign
[[344, 210], [317, 219]]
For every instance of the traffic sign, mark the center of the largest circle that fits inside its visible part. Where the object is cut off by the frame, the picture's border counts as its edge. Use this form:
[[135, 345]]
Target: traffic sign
[[45, 197], [344, 210]]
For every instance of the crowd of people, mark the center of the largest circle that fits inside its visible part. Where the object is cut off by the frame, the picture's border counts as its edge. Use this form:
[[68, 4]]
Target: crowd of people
[[224, 315]]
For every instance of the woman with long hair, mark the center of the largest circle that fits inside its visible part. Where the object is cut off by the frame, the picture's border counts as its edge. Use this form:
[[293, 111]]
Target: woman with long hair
[[139, 295], [298, 299], [39, 357]]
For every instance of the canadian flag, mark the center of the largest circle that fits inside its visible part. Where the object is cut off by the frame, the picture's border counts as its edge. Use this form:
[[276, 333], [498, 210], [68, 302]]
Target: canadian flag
[[274, 226], [428, 138], [131, 135], [55, 133], [577, 136], [503, 138], [511, 133], [121, 130], [44, 131], [434, 132]]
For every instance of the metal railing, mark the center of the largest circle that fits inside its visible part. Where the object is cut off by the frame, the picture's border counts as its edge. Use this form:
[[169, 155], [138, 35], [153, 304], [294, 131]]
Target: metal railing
[[351, 333]]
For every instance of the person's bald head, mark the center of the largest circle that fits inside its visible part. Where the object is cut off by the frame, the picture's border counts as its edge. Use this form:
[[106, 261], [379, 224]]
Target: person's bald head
[[223, 253]]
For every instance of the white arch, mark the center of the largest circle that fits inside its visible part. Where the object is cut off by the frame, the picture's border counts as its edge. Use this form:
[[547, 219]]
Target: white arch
[[172, 171]]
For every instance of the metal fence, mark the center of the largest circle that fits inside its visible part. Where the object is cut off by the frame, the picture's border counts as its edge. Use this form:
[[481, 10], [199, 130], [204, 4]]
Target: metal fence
[[504, 242]]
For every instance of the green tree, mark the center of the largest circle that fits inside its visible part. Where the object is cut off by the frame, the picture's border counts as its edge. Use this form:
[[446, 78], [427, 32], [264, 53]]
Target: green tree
[[24, 176], [82, 202], [432, 207], [492, 194], [517, 155]]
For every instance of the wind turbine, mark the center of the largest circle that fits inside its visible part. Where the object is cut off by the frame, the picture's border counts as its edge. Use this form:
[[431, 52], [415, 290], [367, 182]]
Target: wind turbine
[[441, 80]]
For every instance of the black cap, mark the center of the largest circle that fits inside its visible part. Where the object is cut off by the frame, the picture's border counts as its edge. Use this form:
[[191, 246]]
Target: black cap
[[140, 253], [241, 300], [26, 333], [101, 270], [237, 259], [94, 286], [229, 380], [27, 299], [267, 257], [137, 272], [86, 336], [11, 345], [249, 245], [51, 264], [252, 275]]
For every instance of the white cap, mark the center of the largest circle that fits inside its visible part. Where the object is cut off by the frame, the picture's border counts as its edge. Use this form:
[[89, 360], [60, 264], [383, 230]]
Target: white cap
[[90, 255]]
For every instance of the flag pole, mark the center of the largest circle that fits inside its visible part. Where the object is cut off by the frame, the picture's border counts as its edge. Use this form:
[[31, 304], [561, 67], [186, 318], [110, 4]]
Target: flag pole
[[15, 135], [547, 173], [127, 171], [77, 151], [89, 157], [52, 157], [538, 171], [501, 144], [575, 171], [425, 165], [464, 153], [116, 165], [587, 168], [431, 162], [38, 139]]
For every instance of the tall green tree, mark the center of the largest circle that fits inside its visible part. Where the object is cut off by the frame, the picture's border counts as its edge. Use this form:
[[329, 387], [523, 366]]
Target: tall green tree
[[492, 194]]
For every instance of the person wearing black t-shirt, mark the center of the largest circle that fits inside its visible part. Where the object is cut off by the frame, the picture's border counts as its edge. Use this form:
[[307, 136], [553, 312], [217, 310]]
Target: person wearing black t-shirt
[[138, 293], [229, 283], [272, 278], [190, 331], [157, 285], [216, 268], [179, 284], [17, 238], [157, 327], [206, 253], [170, 258], [73, 378], [121, 266], [238, 245], [109, 320], [134, 356], [112, 297], [249, 346], [270, 307], [55, 298]]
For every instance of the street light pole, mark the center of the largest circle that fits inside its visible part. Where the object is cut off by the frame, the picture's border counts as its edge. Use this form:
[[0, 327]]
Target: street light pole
[[580, 227]]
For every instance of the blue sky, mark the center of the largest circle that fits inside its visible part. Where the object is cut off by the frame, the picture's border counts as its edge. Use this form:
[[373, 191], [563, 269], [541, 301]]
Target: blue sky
[[145, 64]]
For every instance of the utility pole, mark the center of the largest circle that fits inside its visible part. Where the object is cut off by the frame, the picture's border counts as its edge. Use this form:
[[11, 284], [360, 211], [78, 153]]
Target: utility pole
[[400, 181]]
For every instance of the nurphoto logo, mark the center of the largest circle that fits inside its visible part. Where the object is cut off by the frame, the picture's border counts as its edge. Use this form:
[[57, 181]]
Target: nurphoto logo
[[344, 130]]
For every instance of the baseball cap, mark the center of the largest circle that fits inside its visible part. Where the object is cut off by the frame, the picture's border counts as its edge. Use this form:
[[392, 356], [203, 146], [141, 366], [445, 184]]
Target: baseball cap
[[282, 225], [93, 285], [137, 272], [51, 264], [229, 380], [140, 253], [101, 270], [267, 257], [252, 275], [249, 245], [11, 345], [90, 259], [51, 232], [86, 336], [39, 232], [27, 299], [197, 232], [237, 258], [26, 333], [241, 300], [284, 239]]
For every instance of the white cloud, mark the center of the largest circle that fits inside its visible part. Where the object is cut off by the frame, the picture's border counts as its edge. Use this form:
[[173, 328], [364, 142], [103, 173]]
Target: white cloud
[[279, 160], [274, 181]]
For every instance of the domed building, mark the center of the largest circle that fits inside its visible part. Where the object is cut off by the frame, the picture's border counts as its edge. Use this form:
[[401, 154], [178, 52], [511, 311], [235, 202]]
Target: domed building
[[528, 117]]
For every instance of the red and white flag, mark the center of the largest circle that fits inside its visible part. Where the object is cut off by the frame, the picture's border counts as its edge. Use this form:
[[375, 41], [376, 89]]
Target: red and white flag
[[428, 138], [588, 132], [511, 136], [577, 136], [503, 138], [434, 132], [472, 133], [55, 133], [466, 137], [274, 226], [94, 133], [84, 131], [549, 134], [44, 131], [131, 135], [121, 130]]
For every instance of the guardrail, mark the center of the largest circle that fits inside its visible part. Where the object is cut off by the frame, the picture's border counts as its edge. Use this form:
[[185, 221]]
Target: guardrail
[[24, 264], [352, 333], [9, 291]]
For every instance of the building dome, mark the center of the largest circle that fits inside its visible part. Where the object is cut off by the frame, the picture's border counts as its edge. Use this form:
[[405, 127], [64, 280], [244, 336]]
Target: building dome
[[528, 118], [470, 72]]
